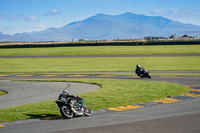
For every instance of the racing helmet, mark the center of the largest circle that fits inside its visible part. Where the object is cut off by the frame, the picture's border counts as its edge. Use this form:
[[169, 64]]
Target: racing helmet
[[65, 92], [137, 65]]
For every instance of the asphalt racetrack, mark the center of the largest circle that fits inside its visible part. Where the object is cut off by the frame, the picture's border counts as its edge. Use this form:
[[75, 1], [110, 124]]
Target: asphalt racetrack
[[176, 117], [21, 92]]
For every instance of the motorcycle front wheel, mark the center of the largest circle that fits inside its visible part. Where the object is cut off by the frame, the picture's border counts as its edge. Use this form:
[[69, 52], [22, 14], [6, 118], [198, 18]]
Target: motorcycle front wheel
[[148, 75], [66, 112], [87, 111]]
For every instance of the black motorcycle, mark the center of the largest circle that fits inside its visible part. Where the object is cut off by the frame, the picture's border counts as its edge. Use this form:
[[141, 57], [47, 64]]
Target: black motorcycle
[[71, 106], [141, 72]]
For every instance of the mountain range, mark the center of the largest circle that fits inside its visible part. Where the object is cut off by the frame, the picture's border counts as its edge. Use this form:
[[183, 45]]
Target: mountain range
[[109, 27]]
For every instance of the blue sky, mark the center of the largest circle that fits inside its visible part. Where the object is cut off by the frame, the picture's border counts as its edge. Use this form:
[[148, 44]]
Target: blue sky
[[17, 16]]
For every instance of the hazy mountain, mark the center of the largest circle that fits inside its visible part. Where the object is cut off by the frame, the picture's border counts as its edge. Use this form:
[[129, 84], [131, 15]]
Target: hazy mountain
[[102, 26]]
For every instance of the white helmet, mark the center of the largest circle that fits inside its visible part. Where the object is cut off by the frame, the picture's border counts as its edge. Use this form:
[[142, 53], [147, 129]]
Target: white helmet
[[64, 92]]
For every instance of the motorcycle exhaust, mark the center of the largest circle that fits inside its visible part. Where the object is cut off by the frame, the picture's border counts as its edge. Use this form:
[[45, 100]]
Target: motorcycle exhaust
[[73, 110]]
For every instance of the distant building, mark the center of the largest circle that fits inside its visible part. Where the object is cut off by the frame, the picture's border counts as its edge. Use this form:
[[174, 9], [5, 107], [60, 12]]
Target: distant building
[[154, 38], [186, 36]]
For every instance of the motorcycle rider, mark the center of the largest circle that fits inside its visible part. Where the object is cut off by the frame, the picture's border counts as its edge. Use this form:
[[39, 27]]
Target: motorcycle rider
[[139, 70], [65, 95]]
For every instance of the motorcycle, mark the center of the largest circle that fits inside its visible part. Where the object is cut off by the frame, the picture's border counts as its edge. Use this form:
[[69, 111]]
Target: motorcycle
[[71, 106], [141, 72]]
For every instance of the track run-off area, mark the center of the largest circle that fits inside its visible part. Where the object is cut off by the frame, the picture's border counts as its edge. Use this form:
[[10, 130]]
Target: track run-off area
[[174, 114]]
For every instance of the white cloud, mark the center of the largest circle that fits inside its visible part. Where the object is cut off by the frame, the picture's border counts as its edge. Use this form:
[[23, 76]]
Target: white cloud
[[31, 18], [42, 26], [1, 16], [14, 17], [53, 12], [182, 15], [18, 17], [182, 12], [173, 13]]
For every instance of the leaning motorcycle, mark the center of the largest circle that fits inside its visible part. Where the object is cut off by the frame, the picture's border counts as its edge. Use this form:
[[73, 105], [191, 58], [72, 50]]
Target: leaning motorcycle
[[70, 106], [141, 72]]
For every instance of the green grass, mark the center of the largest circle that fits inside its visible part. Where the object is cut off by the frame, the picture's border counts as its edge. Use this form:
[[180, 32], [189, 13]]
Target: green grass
[[2, 93], [114, 93], [101, 50], [64, 65]]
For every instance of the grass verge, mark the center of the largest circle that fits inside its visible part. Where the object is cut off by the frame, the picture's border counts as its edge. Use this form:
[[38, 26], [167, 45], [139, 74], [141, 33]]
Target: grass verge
[[114, 93], [63, 65], [2, 93], [101, 50]]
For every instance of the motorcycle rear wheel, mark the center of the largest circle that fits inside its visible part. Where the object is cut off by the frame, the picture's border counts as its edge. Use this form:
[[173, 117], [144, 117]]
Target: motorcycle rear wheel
[[66, 112]]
